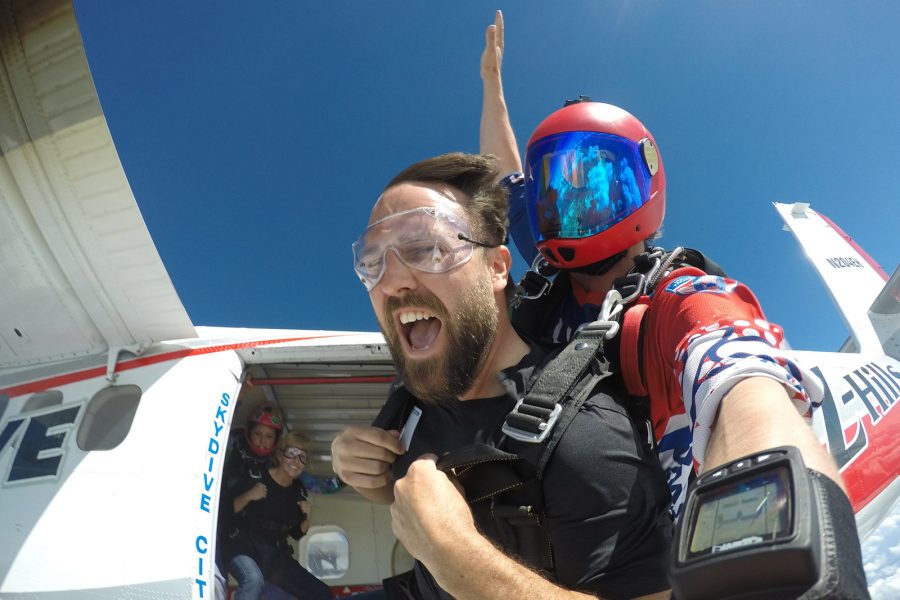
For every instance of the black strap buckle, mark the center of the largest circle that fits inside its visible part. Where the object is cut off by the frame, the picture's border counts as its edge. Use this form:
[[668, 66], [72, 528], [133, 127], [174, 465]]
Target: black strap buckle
[[532, 286], [631, 286]]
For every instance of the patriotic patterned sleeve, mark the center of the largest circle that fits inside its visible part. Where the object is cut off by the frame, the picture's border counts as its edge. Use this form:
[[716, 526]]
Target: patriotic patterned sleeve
[[715, 335]]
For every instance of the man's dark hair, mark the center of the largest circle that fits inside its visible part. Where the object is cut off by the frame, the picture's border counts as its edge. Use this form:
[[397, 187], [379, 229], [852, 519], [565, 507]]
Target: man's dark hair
[[476, 176]]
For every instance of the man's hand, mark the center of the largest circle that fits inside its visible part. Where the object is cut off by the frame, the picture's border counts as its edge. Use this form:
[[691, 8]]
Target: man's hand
[[432, 521], [492, 56], [362, 456], [429, 514]]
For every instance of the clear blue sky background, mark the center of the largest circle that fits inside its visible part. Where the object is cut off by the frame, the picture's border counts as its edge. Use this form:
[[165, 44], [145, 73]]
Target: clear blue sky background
[[256, 136]]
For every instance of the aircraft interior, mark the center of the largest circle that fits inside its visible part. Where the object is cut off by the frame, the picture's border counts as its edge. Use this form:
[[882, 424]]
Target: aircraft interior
[[349, 544]]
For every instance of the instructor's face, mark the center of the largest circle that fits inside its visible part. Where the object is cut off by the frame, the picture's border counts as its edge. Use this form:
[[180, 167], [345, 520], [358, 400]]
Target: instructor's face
[[438, 326]]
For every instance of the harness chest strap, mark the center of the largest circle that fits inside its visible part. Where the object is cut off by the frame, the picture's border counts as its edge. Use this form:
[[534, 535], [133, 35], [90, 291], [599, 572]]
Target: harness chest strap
[[504, 488]]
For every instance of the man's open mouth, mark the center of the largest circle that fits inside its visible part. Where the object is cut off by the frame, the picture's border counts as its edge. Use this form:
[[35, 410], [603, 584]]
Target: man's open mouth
[[419, 328]]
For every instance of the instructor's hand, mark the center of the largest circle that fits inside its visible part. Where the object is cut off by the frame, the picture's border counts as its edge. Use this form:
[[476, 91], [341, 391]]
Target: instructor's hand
[[362, 456], [492, 56]]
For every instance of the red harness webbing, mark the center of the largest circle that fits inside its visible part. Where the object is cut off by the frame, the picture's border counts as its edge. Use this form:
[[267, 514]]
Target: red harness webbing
[[630, 347]]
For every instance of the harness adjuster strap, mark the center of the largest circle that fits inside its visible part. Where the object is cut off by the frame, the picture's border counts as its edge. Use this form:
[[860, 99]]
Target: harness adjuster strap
[[528, 428], [534, 416]]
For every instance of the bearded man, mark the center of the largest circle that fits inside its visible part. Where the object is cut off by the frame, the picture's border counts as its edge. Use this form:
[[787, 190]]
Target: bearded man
[[595, 518]]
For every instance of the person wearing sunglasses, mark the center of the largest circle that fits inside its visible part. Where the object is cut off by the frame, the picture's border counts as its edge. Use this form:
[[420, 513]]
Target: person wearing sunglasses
[[266, 511], [434, 264]]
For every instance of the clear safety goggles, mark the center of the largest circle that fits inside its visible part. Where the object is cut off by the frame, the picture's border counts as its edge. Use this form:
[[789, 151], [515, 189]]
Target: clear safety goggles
[[427, 239], [295, 454], [580, 183]]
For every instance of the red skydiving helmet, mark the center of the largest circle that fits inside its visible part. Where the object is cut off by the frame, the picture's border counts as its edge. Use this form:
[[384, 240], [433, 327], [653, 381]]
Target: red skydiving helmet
[[265, 416], [594, 184]]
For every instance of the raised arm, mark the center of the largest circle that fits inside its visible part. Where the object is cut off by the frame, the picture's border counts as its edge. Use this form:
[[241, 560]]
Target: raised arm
[[496, 134], [497, 137]]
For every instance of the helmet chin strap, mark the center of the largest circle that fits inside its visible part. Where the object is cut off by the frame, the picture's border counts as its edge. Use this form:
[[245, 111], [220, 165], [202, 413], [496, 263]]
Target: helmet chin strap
[[601, 267]]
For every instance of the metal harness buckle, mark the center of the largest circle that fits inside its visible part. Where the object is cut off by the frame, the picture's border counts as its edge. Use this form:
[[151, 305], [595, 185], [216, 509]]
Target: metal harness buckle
[[528, 436]]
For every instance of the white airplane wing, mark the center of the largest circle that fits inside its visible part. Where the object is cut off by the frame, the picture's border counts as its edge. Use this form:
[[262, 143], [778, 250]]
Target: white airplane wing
[[851, 277], [80, 271]]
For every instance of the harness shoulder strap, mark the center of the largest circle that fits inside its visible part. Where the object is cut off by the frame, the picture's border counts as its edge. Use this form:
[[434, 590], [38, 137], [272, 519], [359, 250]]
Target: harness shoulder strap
[[534, 416], [695, 258], [630, 346]]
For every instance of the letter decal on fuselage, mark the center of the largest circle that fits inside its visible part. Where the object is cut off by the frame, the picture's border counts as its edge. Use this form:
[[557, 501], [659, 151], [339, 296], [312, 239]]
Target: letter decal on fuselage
[[877, 387], [842, 262], [208, 496], [40, 439]]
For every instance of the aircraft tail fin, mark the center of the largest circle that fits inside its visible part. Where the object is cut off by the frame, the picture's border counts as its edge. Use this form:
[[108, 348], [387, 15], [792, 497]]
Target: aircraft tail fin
[[852, 278], [885, 316]]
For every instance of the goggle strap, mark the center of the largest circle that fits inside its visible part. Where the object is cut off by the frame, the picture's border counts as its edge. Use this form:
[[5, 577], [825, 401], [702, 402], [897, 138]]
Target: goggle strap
[[477, 243]]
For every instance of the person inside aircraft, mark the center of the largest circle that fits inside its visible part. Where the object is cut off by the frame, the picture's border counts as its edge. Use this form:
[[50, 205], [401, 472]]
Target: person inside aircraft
[[265, 511], [249, 454], [433, 261], [249, 450], [694, 310]]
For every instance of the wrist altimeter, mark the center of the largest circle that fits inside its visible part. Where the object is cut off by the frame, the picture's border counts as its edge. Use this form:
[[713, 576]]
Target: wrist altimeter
[[750, 529]]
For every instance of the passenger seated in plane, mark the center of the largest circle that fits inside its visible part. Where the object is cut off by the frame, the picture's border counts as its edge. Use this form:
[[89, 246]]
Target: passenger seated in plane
[[265, 511], [249, 450]]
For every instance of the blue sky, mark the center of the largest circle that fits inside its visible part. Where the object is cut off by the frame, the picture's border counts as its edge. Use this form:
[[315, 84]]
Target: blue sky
[[256, 141]]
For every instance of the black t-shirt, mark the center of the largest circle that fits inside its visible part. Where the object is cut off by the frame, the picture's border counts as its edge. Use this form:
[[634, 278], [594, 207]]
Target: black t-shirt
[[275, 516], [606, 501]]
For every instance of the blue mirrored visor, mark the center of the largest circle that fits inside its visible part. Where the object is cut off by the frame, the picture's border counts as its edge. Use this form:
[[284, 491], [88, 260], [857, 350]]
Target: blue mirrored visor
[[581, 183]]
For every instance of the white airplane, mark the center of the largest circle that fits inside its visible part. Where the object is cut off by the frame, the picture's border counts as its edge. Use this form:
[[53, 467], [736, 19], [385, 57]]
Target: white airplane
[[115, 409]]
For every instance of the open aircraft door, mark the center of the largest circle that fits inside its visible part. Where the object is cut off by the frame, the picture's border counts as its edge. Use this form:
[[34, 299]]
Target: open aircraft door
[[112, 483]]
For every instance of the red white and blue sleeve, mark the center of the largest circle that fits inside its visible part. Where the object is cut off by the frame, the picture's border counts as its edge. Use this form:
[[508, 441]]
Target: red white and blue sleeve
[[703, 335]]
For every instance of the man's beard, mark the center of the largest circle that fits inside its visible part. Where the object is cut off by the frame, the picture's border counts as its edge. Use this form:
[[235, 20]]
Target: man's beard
[[470, 334]]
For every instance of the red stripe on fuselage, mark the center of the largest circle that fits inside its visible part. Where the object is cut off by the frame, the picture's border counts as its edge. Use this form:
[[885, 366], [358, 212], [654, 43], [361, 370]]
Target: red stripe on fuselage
[[879, 464], [141, 361], [856, 247]]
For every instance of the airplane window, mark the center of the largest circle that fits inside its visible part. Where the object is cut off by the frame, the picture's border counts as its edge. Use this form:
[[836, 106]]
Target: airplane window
[[327, 554], [108, 417], [43, 400]]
